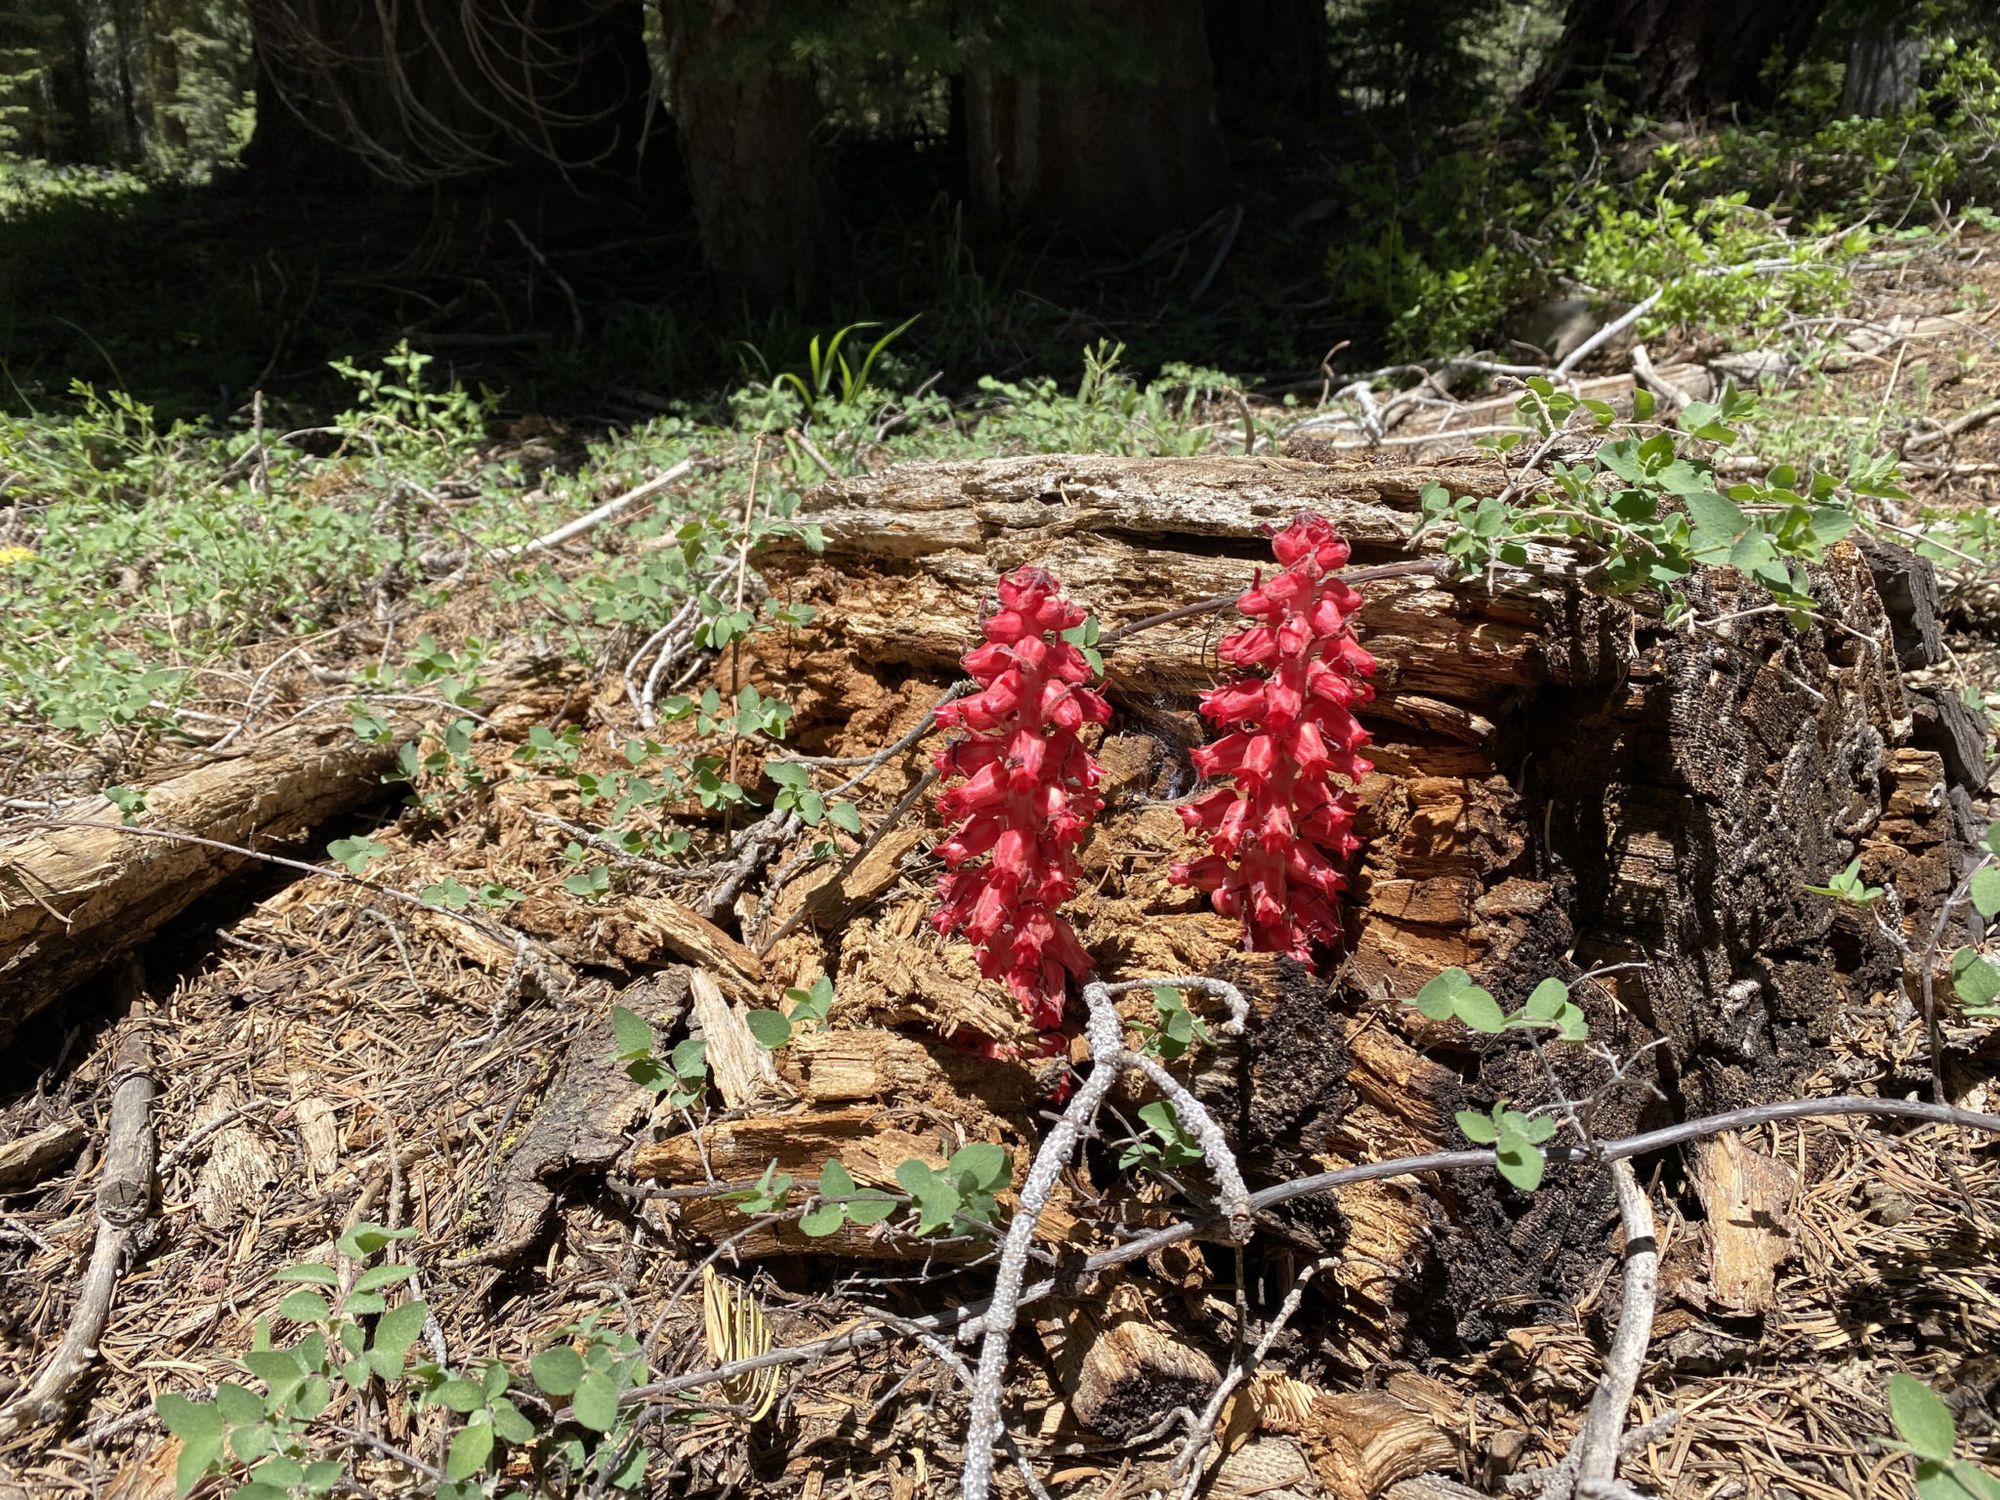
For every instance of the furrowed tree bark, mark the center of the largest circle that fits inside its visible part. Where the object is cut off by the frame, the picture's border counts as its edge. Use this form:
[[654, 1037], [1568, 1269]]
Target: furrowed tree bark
[[762, 189], [1117, 149], [1561, 782], [74, 899]]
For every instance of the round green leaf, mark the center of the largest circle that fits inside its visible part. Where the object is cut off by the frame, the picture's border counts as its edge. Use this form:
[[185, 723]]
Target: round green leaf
[[469, 1452], [1478, 1128], [1985, 887], [1479, 1010], [822, 1221], [557, 1371], [401, 1326], [510, 1423], [984, 1163], [238, 1404], [303, 1306], [596, 1402], [461, 1396], [189, 1420], [770, 1029], [1546, 1003]]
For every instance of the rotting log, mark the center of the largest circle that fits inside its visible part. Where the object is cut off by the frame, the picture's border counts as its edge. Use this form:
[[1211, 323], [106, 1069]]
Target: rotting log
[[1561, 782], [74, 898]]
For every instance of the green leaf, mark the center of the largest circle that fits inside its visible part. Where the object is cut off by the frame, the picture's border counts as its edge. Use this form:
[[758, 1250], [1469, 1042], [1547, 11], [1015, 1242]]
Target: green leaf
[[844, 815], [364, 1239], [870, 1207], [322, 1476], [303, 1306], [822, 1220], [1479, 1010], [280, 1471], [596, 1402], [190, 1420], [385, 1365], [314, 1395], [460, 1395], [401, 1326], [983, 1164], [363, 1305], [277, 1368], [1985, 890], [1519, 1162], [238, 1403], [495, 1379], [1547, 1002], [690, 1058], [1435, 998], [1478, 1128], [1711, 512], [510, 1423], [376, 1277], [469, 1451], [770, 1029], [557, 1371], [1537, 1129], [835, 1181], [257, 1489], [1974, 980], [197, 1454], [1921, 1419]]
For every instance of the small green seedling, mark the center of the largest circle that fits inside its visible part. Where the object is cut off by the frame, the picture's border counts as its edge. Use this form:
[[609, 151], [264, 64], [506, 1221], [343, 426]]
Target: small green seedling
[[1517, 1140], [1928, 1434]]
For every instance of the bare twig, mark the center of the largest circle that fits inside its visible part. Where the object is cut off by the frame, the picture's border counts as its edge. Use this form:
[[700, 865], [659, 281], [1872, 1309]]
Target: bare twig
[[602, 513], [1105, 1030], [124, 1201]]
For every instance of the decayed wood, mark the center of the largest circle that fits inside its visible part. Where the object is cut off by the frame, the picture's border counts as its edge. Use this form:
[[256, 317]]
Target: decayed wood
[[741, 1071], [75, 899], [1120, 1369], [1364, 1441], [1746, 1198], [27, 1159], [581, 1121], [124, 1202], [643, 931]]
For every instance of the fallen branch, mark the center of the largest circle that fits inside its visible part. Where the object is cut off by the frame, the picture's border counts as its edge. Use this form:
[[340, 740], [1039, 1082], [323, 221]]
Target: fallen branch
[[124, 1200], [603, 512]]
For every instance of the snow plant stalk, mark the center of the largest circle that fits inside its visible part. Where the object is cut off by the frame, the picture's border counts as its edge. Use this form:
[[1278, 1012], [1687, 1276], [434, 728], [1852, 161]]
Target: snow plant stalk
[[1281, 831], [1021, 788]]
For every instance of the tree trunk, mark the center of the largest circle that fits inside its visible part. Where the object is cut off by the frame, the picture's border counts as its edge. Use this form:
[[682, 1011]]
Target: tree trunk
[[1270, 57], [1678, 57], [431, 89], [1117, 153], [1883, 63], [762, 196], [1561, 783]]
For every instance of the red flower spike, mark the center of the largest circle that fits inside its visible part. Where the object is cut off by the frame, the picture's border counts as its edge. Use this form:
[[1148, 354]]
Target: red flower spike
[[1023, 794], [1280, 833]]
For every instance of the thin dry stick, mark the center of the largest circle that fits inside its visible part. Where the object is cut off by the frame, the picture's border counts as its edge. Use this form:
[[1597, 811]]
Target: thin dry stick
[[603, 512], [1188, 1465], [124, 1199], [861, 851], [1590, 1467], [1109, 1057]]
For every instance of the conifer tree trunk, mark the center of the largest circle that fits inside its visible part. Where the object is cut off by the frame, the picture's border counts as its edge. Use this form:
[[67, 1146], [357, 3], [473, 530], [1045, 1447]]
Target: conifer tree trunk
[[762, 198], [1678, 57], [1117, 151]]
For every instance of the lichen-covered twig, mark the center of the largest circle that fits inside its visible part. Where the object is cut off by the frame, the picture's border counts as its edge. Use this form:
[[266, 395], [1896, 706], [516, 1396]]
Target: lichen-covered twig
[[1105, 1031]]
